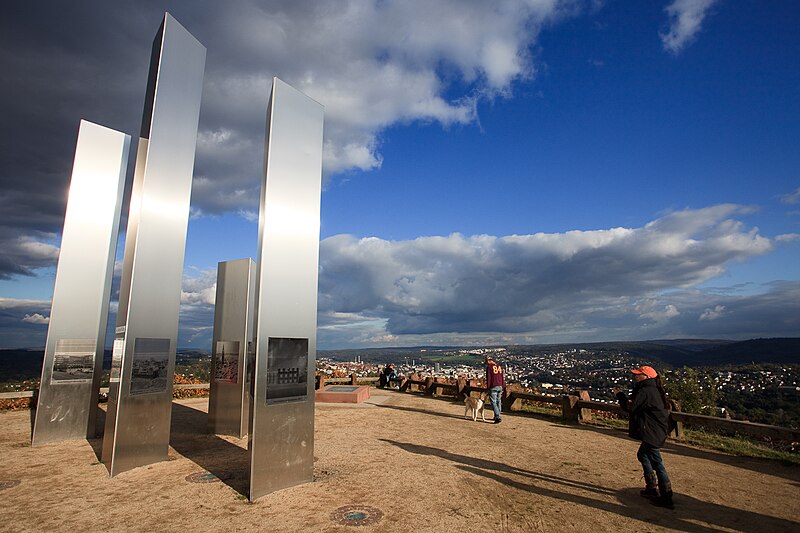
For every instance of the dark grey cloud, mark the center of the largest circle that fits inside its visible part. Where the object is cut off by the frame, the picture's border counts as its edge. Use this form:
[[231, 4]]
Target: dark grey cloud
[[61, 63], [23, 323], [372, 64], [771, 311], [23, 254], [616, 283]]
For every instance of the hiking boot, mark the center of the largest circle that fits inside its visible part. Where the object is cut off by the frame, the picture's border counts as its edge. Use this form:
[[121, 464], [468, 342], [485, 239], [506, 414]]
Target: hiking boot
[[664, 499], [649, 490]]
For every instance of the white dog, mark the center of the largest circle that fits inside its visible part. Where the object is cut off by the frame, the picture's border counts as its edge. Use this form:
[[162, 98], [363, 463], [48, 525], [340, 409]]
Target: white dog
[[476, 405]]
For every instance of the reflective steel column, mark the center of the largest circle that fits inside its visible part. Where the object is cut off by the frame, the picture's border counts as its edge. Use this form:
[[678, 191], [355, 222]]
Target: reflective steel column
[[231, 375], [73, 357], [281, 437], [143, 362]]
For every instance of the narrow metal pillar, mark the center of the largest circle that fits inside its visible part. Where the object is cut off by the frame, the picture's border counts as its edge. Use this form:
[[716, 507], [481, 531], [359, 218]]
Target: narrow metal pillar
[[229, 398], [281, 437], [73, 357], [143, 362]]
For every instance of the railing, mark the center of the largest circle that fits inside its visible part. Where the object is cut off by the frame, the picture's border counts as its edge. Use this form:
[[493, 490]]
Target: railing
[[30, 395], [575, 407], [17, 395]]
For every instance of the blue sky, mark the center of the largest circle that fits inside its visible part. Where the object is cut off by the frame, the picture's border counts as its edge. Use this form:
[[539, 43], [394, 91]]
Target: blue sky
[[495, 172]]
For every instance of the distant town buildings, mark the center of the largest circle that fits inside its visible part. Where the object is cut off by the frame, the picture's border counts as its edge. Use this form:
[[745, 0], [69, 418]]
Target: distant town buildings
[[557, 372]]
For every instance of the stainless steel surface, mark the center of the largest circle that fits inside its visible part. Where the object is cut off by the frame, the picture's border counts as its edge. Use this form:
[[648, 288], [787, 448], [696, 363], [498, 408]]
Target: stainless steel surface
[[139, 411], [229, 397], [281, 440], [73, 358]]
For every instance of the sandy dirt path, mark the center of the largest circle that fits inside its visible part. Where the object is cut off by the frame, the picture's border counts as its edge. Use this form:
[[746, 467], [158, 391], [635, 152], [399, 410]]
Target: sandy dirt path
[[397, 463]]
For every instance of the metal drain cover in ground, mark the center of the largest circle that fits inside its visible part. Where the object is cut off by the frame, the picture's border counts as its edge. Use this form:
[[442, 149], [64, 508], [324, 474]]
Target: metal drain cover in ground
[[8, 483], [356, 515], [202, 477]]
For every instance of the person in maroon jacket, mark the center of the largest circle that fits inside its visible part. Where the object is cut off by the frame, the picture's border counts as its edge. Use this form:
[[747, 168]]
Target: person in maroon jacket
[[495, 384]]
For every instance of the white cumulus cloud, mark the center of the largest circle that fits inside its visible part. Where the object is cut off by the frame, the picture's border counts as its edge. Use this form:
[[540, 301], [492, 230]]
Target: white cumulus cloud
[[200, 288], [652, 310], [713, 314], [685, 22], [372, 64], [792, 197], [36, 318]]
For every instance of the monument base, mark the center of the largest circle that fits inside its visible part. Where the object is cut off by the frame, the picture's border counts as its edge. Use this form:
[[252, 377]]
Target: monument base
[[342, 394]]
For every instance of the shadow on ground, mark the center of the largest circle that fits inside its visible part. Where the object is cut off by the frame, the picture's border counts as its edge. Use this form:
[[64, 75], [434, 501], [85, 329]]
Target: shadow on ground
[[227, 461], [99, 428], [688, 510], [418, 410], [761, 466]]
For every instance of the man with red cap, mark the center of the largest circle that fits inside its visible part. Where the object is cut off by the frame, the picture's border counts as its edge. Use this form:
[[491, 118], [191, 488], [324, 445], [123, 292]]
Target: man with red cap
[[648, 411]]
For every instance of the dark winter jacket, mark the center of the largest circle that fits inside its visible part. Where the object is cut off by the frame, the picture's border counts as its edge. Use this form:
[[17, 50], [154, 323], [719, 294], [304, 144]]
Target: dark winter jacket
[[649, 417], [387, 375]]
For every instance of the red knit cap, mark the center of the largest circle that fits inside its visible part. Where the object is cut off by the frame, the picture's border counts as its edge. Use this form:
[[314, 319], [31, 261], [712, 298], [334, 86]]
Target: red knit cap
[[648, 371]]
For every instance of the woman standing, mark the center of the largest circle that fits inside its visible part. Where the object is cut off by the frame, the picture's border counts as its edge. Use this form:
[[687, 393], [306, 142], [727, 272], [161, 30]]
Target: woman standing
[[649, 423]]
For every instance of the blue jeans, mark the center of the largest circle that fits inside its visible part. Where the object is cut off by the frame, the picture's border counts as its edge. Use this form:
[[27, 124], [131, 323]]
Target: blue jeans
[[496, 395], [650, 457]]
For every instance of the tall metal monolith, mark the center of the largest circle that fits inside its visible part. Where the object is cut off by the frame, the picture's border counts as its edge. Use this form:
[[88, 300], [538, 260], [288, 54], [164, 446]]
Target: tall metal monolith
[[281, 436], [73, 358], [232, 348], [143, 360]]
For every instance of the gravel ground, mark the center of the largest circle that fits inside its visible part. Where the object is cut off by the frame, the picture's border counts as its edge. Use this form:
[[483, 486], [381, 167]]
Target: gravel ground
[[399, 462]]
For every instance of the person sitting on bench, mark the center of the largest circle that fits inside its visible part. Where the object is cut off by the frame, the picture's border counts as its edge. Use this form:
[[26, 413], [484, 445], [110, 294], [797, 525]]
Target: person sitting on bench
[[387, 376]]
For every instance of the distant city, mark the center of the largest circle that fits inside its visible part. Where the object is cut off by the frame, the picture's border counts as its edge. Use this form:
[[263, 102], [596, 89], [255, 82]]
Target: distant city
[[756, 380], [561, 371]]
